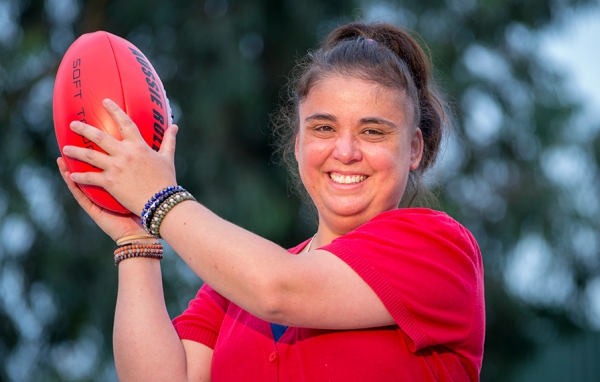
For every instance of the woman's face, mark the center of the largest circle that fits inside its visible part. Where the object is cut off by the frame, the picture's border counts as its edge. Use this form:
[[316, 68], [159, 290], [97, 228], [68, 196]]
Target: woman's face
[[355, 147]]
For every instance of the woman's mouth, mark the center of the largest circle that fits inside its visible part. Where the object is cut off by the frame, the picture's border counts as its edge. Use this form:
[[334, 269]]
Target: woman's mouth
[[346, 179]]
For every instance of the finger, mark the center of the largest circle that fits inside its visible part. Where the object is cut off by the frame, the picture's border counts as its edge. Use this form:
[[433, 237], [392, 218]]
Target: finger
[[169, 142], [65, 173], [127, 127], [88, 178], [105, 141], [79, 196], [89, 156]]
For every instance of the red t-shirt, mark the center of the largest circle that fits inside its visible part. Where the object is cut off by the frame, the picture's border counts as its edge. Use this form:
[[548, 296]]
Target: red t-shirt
[[425, 267]]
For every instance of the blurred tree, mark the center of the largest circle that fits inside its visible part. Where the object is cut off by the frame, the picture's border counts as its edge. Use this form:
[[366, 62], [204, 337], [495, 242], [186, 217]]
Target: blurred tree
[[223, 63]]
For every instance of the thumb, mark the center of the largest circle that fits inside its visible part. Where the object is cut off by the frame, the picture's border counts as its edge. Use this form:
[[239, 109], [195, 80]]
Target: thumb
[[169, 141]]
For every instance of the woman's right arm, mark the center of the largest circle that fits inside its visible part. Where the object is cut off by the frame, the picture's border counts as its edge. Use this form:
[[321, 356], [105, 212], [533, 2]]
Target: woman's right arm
[[146, 346]]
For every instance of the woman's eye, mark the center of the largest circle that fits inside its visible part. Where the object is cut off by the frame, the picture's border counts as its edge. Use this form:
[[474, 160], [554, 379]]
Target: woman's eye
[[372, 132], [324, 128]]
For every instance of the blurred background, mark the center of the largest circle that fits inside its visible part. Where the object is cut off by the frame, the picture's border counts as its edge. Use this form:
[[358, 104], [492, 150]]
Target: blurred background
[[520, 170]]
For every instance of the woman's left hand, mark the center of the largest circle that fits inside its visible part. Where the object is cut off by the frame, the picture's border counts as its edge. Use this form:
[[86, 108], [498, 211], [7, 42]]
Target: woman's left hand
[[132, 171]]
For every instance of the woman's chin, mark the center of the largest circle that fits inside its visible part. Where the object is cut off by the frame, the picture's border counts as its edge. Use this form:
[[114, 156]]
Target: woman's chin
[[346, 215]]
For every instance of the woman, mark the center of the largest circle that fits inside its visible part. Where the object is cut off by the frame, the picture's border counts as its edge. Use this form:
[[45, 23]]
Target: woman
[[379, 293]]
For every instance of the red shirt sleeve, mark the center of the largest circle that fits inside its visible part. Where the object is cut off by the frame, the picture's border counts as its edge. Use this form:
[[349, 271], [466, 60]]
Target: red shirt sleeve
[[426, 268], [201, 321]]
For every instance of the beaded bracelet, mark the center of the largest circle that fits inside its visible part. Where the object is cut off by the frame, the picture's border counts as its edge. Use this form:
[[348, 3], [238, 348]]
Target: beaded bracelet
[[165, 207], [154, 202], [137, 249], [136, 244]]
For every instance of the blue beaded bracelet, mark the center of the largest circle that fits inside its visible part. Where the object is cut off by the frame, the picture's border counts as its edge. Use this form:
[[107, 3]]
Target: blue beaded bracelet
[[154, 202], [163, 208]]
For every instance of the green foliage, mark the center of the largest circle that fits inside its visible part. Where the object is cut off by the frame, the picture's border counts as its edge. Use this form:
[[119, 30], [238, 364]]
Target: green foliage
[[223, 64]]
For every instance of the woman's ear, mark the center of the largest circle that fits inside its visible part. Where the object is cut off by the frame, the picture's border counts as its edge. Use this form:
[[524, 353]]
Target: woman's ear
[[416, 149]]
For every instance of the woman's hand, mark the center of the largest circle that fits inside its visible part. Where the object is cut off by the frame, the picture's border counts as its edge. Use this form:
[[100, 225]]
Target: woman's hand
[[114, 225], [132, 171]]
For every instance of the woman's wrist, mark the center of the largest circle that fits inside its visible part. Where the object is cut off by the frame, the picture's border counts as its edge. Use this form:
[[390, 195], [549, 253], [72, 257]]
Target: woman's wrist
[[159, 205]]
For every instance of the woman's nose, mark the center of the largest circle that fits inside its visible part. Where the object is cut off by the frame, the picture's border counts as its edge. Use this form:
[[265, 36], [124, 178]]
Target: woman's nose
[[347, 150]]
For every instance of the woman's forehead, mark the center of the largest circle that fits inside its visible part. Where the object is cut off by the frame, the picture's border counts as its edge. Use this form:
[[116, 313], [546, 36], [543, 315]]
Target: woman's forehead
[[342, 94]]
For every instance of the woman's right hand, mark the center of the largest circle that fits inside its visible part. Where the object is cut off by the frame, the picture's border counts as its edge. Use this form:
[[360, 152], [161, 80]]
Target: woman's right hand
[[113, 224]]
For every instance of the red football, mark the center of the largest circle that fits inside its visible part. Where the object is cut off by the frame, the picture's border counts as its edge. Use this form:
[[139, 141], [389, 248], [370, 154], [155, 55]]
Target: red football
[[101, 65]]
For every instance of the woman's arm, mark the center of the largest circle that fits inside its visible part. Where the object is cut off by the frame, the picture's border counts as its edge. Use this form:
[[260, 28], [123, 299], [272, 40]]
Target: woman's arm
[[314, 289], [146, 346]]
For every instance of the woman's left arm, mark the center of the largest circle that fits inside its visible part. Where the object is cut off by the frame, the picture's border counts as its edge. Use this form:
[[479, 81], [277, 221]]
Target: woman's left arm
[[314, 289]]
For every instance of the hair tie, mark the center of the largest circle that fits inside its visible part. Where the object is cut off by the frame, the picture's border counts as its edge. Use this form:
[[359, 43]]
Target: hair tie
[[370, 41], [133, 237]]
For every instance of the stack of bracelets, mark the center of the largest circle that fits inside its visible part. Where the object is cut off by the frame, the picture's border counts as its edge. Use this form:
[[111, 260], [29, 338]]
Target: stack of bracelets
[[157, 207], [152, 216], [137, 249]]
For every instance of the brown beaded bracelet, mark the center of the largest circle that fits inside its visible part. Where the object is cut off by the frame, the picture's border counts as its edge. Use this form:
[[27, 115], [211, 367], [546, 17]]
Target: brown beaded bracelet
[[137, 249]]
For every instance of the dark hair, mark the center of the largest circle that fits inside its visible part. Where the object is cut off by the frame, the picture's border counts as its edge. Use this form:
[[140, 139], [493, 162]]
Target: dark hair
[[377, 52]]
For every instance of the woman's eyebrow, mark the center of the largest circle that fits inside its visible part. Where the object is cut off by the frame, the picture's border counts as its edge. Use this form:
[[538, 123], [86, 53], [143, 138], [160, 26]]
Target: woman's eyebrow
[[321, 116], [363, 121], [377, 121]]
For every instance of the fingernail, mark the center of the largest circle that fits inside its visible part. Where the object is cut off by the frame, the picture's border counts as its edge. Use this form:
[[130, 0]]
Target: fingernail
[[75, 125], [175, 129], [107, 102]]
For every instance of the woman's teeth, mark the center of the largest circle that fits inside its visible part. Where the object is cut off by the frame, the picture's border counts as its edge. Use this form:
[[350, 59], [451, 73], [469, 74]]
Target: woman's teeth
[[347, 179]]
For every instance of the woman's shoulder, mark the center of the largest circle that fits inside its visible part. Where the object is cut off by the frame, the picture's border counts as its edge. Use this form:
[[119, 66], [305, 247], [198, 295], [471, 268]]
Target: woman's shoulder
[[416, 215], [420, 227], [425, 218]]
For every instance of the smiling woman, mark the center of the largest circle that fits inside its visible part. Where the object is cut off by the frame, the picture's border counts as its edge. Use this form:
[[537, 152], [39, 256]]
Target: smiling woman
[[379, 293]]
